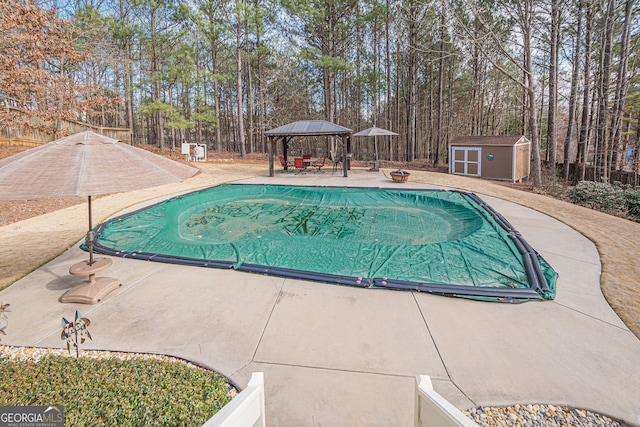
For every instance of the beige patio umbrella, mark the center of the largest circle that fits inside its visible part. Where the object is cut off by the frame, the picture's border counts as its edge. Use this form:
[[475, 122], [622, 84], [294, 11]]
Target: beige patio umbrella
[[375, 132], [86, 164]]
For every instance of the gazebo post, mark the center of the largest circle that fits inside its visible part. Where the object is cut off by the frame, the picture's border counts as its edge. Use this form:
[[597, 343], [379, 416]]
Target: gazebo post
[[285, 149], [345, 150], [270, 151]]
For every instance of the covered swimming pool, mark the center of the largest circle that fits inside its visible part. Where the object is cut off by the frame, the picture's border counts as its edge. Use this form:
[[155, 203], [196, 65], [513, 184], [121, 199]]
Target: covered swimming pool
[[444, 242]]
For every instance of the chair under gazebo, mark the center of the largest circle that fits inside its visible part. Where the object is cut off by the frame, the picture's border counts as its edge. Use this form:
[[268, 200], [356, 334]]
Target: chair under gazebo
[[308, 128]]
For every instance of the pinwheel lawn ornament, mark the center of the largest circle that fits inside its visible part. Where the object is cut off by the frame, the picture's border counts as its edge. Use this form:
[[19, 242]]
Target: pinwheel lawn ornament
[[76, 332]]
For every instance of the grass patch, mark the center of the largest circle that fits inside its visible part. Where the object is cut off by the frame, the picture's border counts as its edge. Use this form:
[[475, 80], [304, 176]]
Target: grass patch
[[115, 392]]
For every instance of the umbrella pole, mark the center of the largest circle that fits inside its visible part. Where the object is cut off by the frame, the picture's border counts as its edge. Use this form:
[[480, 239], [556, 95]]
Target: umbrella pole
[[374, 168], [375, 148], [90, 236]]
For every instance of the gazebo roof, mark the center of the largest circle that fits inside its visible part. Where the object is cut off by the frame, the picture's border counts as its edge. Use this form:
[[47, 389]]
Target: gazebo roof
[[309, 127]]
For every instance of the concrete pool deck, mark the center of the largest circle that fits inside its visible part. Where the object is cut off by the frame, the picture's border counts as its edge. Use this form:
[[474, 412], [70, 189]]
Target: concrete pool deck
[[344, 356]]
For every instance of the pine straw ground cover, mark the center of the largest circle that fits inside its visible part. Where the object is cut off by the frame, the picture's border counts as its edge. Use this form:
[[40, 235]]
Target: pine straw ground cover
[[105, 388]]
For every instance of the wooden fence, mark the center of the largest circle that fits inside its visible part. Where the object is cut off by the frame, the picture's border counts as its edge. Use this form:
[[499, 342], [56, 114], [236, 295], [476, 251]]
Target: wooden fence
[[625, 177]]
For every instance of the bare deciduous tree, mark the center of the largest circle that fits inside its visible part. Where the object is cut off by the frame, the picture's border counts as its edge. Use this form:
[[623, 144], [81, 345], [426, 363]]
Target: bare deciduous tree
[[38, 59]]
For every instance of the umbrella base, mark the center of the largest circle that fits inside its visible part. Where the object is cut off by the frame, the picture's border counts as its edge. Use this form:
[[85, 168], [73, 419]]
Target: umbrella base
[[91, 292]]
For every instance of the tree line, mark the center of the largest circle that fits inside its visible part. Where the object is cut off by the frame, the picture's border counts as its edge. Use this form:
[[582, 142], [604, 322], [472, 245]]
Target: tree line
[[565, 74]]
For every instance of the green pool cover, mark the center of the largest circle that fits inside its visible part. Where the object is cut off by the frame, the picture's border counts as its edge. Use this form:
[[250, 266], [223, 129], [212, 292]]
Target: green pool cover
[[445, 242]]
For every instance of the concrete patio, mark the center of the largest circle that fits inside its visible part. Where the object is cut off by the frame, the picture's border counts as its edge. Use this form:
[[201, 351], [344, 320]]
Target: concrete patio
[[345, 356]]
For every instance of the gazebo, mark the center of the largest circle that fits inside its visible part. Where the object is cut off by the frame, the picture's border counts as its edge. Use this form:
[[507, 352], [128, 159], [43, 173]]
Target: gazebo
[[308, 128]]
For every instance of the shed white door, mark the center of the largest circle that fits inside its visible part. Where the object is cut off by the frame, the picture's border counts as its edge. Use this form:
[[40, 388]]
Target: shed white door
[[466, 160]]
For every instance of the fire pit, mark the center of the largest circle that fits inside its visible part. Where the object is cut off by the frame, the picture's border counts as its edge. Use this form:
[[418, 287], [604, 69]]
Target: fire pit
[[400, 175]]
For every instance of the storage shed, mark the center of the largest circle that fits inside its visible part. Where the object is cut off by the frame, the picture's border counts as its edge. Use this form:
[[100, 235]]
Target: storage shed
[[503, 157]]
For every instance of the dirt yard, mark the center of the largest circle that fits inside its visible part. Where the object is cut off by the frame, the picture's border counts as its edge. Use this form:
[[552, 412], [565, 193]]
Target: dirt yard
[[25, 246]]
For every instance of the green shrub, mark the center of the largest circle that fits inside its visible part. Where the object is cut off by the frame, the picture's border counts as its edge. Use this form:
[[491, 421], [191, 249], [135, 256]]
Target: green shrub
[[115, 392], [632, 202], [616, 197], [599, 195]]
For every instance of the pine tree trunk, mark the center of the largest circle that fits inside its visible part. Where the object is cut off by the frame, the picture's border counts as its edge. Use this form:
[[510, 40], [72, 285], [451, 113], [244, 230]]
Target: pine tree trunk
[[536, 171], [553, 87], [586, 90], [241, 137], [573, 95], [413, 83], [475, 85], [387, 55], [622, 85], [261, 98], [250, 110], [602, 141], [129, 93], [216, 97], [436, 158]]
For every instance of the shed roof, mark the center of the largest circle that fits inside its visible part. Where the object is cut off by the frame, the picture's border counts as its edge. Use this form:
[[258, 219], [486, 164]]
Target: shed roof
[[488, 140], [309, 127]]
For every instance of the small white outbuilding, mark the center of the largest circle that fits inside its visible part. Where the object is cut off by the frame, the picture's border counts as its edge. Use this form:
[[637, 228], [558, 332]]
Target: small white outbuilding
[[505, 157]]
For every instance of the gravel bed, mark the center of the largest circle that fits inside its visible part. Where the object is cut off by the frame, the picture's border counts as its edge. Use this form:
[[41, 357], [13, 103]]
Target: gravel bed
[[516, 416], [23, 354], [538, 415]]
